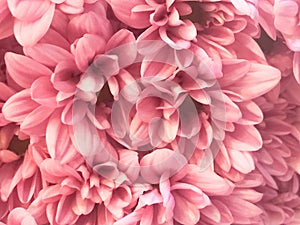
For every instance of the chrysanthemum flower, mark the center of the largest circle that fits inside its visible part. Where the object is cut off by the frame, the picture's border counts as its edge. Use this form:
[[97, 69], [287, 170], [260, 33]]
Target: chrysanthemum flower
[[149, 112]]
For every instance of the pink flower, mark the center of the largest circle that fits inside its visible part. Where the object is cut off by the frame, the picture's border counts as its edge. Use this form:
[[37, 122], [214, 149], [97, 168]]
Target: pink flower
[[174, 194], [78, 195], [59, 71], [149, 112], [176, 22]]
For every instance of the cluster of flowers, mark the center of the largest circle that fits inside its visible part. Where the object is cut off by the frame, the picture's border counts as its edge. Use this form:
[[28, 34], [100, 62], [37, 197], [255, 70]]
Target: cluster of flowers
[[149, 112]]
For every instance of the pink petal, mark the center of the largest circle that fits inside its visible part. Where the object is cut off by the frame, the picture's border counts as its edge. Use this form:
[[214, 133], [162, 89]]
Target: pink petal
[[6, 92], [6, 24], [20, 216], [126, 12], [28, 10], [241, 161], [38, 117], [265, 77], [191, 194], [233, 70], [64, 77], [250, 49], [26, 189], [190, 214], [129, 164], [86, 48], [155, 164], [242, 6], [52, 37], [58, 140], [221, 34], [29, 33], [63, 213], [252, 114], [21, 101], [123, 44], [24, 70], [47, 54], [42, 91], [296, 66], [73, 112], [72, 6], [82, 206], [236, 139], [209, 182], [235, 204], [147, 108], [7, 156], [93, 21], [53, 171]]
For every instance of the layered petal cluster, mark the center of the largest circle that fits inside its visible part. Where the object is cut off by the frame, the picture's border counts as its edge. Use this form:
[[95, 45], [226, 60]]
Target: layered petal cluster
[[146, 112]]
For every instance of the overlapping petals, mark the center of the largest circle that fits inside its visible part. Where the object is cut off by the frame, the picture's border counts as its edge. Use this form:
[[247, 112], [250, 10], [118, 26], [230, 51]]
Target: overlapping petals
[[149, 112]]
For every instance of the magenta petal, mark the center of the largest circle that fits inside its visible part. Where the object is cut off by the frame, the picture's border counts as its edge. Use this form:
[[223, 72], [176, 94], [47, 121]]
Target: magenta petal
[[24, 70], [29, 33]]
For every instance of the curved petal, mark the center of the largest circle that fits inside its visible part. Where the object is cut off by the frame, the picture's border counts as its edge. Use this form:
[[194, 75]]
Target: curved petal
[[29, 33], [22, 102], [23, 70], [48, 54], [236, 139], [42, 91]]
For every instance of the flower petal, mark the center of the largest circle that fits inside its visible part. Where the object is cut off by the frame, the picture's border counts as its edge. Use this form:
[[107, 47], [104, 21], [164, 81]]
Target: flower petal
[[21, 101], [29, 33], [24, 70]]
